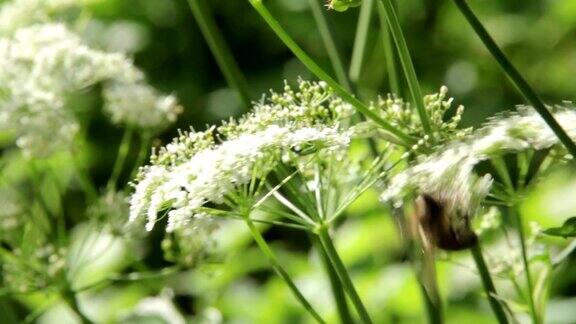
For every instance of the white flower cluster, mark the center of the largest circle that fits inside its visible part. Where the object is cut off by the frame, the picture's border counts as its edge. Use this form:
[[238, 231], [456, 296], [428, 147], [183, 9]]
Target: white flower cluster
[[21, 13], [448, 175], [141, 105], [42, 64], [312, 104], [194, 170]]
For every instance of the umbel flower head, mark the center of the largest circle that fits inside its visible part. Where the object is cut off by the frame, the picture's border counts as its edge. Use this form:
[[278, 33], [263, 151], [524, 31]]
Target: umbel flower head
[[404, 116], [449, 176], [43, 64], [199, 168]]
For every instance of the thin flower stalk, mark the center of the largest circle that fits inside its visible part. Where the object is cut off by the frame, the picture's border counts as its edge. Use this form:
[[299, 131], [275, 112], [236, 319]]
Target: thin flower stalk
[[517, 79], [389, 54], [280, 270], [322, 75], [335, 284], [329, 44], [123, 151], [388, 10], [220, 50], [343, 274], [488, 285], [361, 40], [513, 214]]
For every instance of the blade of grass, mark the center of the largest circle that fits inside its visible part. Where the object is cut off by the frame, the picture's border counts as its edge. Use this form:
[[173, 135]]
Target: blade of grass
[[329, 44], [220, 50], [322, 75], [517, 79], [361, 39], [386, 9]]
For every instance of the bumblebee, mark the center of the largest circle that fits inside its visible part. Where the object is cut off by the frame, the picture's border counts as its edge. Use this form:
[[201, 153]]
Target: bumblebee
[[436, 228]]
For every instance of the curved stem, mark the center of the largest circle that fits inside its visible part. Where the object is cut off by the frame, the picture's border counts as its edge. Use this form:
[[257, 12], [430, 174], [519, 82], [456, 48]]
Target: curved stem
[[280, 270], [329, 44], [326, 241], [387, 10], [322, 75], [517, 79], [123, 150], [489, 287], [220, 50]]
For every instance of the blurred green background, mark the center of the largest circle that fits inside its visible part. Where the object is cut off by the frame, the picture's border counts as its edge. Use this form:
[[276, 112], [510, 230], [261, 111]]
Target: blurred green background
[[538, 35]]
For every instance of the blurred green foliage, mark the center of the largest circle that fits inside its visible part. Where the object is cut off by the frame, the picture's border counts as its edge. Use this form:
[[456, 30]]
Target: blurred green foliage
[[540, 38]]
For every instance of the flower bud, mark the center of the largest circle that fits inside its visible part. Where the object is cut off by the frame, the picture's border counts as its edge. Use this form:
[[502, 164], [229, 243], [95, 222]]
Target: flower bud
[[343, 5]]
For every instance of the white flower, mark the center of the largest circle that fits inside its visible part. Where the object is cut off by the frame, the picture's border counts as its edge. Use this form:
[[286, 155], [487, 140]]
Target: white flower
[[213, 173], [41, 65], [448, 175], [141, 105], [218, 164], [21, 13], [312, 104]]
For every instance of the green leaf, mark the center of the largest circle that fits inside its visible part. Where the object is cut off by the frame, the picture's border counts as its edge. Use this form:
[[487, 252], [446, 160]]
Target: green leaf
[[566, 230]]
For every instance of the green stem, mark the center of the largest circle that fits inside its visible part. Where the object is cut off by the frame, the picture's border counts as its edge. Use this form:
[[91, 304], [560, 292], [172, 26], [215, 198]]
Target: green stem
[[84, 180], [335, 284], [329, 44], [489, 287], [322, 75], [433, 307], [142, 153], [123, 150], [360, 40], [72, 301], [564, 254], [326, 241], [518, 219], [386, 9], [390, 57], [517, 79], [280, 270], [220, 50]]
